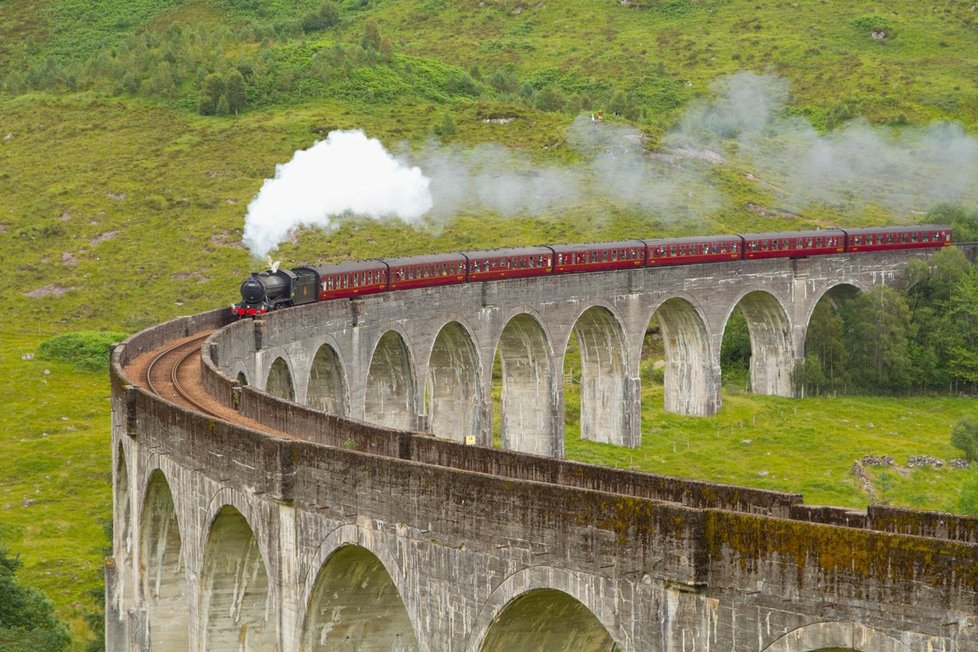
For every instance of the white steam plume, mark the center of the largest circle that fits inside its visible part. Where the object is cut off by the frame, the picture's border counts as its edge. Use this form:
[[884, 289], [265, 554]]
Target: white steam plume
[[900, 169], [346, 173]]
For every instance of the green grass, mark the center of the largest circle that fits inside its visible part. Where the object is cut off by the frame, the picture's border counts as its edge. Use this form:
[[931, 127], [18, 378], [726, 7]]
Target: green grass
[[121, 210], [55, 475], [806, 446]]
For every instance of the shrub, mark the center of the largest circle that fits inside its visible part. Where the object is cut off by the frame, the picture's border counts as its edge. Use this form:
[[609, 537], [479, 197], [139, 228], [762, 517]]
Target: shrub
[[211, 91], [235, 86], [549, 99], [27, 620], [327, 16], [964, 436], [446, 127], [88, 350], [504, 81]]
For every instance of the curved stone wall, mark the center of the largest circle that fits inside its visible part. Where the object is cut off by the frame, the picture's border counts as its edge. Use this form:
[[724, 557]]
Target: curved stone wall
[[235, 554]]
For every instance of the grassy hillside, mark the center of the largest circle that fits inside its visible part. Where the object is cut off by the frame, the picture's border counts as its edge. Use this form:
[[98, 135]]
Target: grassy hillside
[[122, 206]]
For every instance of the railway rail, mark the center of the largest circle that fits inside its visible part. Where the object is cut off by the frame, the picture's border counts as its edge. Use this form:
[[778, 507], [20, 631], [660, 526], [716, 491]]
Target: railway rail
[[173, 373]]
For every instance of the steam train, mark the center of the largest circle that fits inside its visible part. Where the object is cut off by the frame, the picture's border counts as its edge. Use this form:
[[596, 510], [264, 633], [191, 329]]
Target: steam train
[[279, 288]]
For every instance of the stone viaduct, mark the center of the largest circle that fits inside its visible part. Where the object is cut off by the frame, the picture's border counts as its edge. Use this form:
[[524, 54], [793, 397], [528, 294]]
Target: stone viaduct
[[359, 521]]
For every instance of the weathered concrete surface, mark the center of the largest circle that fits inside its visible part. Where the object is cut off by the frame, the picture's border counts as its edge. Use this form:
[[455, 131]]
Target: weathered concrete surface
[[450, 541]]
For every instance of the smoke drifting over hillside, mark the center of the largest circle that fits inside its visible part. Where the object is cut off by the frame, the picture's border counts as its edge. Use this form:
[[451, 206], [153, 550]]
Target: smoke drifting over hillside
[[900, 169], [906, 169]]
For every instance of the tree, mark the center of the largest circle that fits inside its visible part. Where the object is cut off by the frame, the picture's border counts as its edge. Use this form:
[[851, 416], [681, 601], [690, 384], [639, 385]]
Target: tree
[[825, 342], [27, 620], [962, 312], [504, 81], [735, 346], [235, 88], [371, 36], [878, 340], [327, 16], [223, 108], [211, 91], [964, 437]]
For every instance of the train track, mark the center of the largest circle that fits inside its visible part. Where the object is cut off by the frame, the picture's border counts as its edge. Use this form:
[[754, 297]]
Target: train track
[[170, 371]]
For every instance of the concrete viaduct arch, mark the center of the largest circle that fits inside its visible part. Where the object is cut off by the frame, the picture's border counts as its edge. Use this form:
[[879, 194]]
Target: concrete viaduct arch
[[229, 537], [428, 366]]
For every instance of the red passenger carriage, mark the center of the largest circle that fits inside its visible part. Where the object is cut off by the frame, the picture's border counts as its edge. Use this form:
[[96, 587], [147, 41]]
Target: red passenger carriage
[[899, 237], [426, 271], [509, 263], [352, 279], [794, 244], [598, 256], [697, 249]]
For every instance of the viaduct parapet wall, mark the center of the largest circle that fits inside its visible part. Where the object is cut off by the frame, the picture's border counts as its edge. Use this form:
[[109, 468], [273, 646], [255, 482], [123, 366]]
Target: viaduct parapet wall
[[347, 534]]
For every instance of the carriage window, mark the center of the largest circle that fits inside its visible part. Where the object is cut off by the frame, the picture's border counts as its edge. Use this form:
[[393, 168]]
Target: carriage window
[[723, 248], [329, 284], [764, 245], [614, 254], [913, 237]]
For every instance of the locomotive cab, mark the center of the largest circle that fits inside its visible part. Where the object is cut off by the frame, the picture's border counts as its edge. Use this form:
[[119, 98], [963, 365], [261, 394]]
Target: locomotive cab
[[263, 292]]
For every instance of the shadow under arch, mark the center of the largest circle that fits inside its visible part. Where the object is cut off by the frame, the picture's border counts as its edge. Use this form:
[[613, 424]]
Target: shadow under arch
[[825, 345], [390, 393], [327, 389], [601, 348], [772, 358], [279, 381], [691, 376], [527, 387], [547, 578], [835, 295], [236, 605], [836, 635], [122, 503], [162, 575], [355, 605], [453, 394], [546, 619]]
